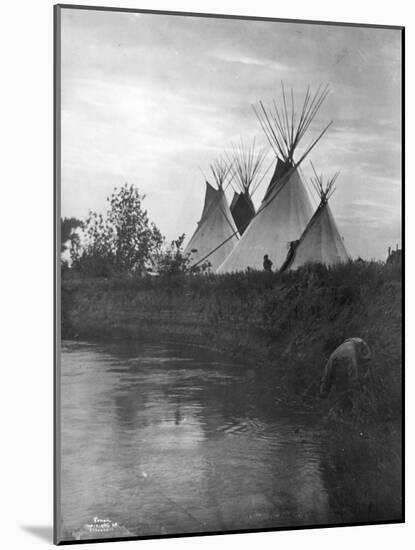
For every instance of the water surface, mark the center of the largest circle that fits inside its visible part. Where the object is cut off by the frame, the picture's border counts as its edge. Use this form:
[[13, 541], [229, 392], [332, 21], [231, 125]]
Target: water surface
[[172, 438]]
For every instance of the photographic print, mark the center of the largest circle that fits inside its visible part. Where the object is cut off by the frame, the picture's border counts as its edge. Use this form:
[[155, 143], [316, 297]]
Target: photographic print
[[229, 259]]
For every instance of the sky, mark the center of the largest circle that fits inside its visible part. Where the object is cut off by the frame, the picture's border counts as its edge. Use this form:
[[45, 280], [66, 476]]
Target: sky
[[152, 100]]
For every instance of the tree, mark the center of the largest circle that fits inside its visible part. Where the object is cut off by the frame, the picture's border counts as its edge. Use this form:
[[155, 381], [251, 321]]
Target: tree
[[70, 241], [132, 237], [68, 225], [123, 241], [171, 259]]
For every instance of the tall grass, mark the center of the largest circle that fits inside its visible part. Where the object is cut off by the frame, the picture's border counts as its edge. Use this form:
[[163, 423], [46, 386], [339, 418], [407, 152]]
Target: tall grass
[[286, 323]]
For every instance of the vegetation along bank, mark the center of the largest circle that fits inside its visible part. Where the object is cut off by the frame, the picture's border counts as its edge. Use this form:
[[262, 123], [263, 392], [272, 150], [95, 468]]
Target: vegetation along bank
[[285, 323]]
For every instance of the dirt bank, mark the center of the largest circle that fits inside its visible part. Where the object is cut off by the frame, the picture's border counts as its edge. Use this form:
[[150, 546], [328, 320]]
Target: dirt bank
[[287, 323]]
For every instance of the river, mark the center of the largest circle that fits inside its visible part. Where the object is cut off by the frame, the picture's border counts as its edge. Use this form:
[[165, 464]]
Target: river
[[168, 438]]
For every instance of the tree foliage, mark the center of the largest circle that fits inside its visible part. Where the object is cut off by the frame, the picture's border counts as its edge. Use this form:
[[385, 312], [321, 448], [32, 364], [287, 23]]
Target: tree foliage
[[172, 259], [68, 225], [133, 238], [122, 241], [69, 239], [125, 242]]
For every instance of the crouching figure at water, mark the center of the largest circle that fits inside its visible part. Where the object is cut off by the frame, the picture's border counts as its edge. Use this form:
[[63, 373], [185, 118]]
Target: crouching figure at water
[[347, 373]]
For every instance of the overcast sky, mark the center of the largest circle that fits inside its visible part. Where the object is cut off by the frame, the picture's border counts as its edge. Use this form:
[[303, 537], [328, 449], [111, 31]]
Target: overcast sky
[[151, 99]]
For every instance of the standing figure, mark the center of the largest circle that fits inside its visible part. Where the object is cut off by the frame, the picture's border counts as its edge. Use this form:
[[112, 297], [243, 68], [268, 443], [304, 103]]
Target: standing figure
[[267, 263]]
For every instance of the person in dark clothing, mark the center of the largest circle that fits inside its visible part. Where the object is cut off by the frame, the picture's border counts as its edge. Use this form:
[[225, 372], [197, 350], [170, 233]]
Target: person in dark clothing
[[267, 263]]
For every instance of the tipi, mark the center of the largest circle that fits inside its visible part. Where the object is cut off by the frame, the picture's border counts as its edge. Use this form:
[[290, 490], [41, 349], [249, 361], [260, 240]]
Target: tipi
[[210, 195], [321, 241], [246, 164], [285, 209], [216, 233]]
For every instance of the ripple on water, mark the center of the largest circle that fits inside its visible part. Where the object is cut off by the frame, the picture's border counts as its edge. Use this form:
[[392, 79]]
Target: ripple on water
[[216, 450]]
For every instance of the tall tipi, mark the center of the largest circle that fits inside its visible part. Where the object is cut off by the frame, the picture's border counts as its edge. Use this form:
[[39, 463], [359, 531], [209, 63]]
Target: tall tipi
[[321, 241], [247, 163], [210, 195], [286, 208], [216, 233]]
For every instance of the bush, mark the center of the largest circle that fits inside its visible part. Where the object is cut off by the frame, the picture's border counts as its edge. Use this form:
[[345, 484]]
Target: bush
[[122, 241]]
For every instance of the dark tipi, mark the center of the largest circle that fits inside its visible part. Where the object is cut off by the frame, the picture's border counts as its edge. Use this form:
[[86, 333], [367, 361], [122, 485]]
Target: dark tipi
[[247, 163]]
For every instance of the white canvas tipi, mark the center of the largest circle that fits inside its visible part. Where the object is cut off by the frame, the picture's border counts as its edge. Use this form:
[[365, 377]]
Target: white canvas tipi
[[216, 233], [210, 196], [286, 207], [321, 241]]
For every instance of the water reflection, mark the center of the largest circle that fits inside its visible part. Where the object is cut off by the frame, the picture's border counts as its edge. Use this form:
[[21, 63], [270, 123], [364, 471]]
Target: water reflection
[[169, 438]]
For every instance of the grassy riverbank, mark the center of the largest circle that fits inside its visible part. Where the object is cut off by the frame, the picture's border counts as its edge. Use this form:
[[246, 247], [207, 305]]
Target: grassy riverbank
[[287, 323], [287, 326]]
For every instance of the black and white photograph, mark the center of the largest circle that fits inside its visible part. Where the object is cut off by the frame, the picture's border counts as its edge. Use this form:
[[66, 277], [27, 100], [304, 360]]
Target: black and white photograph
[[229, 274]]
